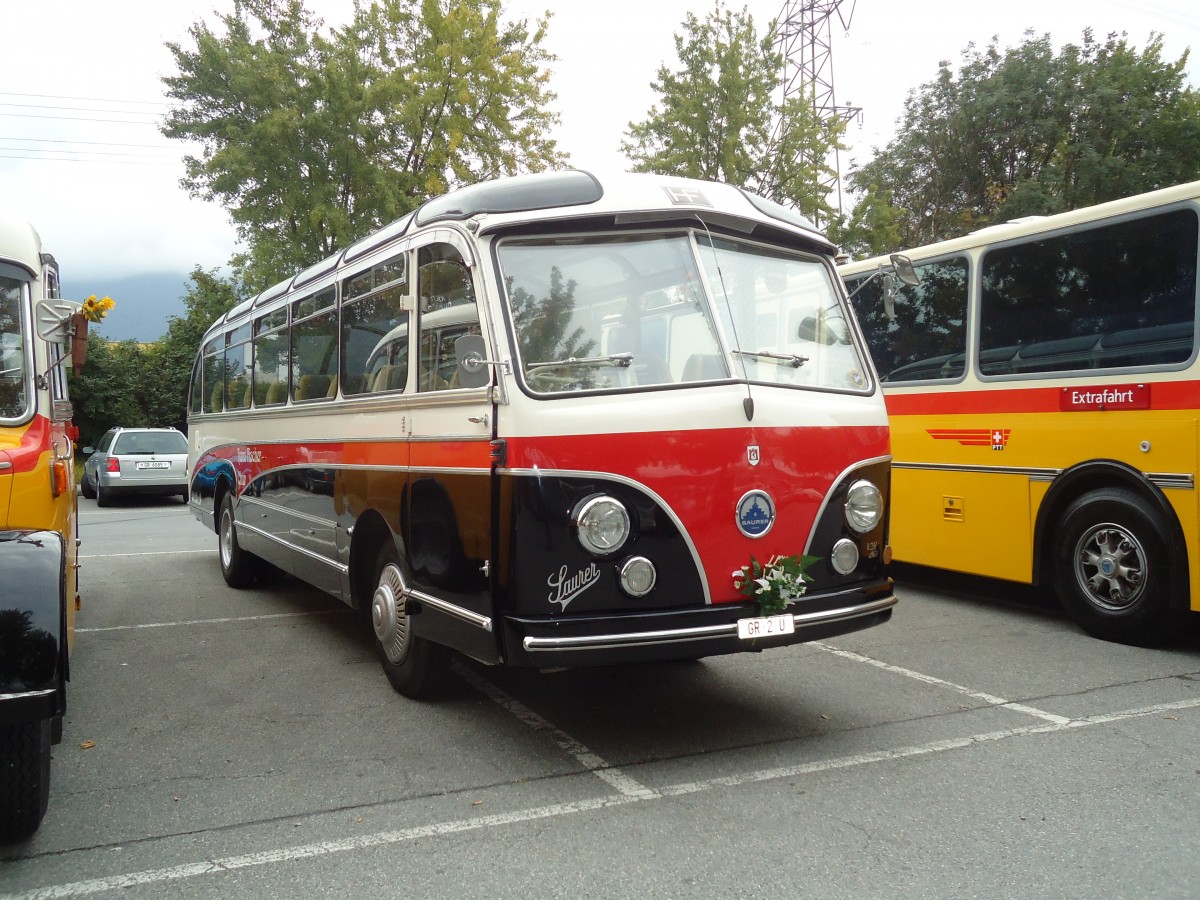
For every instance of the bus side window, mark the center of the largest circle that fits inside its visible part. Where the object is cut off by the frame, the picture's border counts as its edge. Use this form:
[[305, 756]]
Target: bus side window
[[375, 329], [314, 345], [447, 311]]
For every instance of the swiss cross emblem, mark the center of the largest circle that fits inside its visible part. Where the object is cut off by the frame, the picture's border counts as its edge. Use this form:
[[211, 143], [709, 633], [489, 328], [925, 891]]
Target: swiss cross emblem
[[753, 455], [999, 438]]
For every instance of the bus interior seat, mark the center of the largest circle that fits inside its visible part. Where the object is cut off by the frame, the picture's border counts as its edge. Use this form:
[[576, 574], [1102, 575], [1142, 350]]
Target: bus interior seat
[[333, 387], [276, 393], [650, 368], [704, 367], [311, 386]]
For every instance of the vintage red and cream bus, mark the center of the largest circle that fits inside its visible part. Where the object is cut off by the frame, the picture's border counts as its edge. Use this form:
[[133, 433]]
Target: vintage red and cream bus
[[38, 522], [549, 421]]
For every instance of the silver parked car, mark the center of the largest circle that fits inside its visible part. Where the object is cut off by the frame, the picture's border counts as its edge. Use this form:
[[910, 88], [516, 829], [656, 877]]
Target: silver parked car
[[136, 461]]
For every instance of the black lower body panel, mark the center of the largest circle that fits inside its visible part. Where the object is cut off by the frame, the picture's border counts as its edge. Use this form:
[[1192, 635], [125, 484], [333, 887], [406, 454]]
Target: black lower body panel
[[601, 640]]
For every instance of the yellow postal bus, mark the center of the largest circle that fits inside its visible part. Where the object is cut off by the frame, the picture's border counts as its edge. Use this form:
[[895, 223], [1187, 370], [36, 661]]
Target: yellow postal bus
[[38, 526], [1042, 385]]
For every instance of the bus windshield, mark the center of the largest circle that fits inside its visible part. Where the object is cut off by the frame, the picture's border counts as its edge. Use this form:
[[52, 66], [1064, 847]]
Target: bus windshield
[[613, 312], [12, 352]]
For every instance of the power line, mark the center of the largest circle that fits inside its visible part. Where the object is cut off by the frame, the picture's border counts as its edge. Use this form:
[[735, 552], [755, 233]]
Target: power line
[[94, 162], [75, 119], [130, 112], [69, 141], [90, 99]]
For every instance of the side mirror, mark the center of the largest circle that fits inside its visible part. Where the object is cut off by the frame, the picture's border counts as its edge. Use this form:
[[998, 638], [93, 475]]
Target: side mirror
[[470, 353], [52, 319], [904, 270]]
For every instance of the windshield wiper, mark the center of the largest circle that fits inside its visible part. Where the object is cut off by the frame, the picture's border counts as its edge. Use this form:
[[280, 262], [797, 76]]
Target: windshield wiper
[[783, 359], [613, 359]]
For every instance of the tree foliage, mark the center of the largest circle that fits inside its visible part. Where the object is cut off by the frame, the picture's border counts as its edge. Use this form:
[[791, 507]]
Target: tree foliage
[[311, 139], [718, 117], [1033, 131], [136, 385]]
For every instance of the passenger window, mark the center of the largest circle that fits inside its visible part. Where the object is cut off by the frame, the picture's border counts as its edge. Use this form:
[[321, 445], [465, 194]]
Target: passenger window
[[271, 361], [927, 338], [447, 311], [375, 329], [314, 347], [239, 364], [1116, 295]]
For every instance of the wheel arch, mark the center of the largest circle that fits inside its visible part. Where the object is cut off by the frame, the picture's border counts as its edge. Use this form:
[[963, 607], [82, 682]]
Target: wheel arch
[[1093, 475], [371, 532]]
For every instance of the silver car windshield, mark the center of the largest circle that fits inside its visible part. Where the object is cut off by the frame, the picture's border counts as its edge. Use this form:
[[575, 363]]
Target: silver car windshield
[[619, 312]]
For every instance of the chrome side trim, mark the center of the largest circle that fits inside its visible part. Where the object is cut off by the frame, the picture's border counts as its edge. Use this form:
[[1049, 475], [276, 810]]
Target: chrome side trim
[[287, 511], [1165, 480], [303, 551], [27, 695], [465, 615], [702, 633]]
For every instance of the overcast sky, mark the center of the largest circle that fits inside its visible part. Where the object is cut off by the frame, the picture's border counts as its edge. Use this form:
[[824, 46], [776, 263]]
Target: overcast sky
[[81, 97]]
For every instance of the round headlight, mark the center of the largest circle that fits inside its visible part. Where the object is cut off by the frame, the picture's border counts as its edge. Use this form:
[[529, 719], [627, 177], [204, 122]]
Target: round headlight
[[844, 556], [864, 506], [602, 524], [637, 576]]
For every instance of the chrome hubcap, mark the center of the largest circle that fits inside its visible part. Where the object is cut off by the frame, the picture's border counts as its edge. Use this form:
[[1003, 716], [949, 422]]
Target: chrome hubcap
[[1110, 566], [226, 538], [388, 615]]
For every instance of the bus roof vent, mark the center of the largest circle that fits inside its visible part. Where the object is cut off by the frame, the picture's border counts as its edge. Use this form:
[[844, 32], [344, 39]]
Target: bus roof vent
[[522, 193]]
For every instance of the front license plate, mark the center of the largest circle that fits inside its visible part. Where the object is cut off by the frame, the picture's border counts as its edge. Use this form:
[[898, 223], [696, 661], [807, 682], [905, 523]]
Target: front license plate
[[766, 626], [154, 465]]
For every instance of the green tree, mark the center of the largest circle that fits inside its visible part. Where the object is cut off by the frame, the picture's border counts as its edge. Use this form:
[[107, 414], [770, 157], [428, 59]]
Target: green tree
[[311, 139], [136, 385], [717, 117], [172, 358], [1031, 131], [110, 389]]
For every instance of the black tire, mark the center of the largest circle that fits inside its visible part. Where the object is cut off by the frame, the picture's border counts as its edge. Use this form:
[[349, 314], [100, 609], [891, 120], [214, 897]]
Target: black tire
[[103, 497], [237, 565], [183, 495], [24, 778], [415, 666], [1112, 567], [85, 487]]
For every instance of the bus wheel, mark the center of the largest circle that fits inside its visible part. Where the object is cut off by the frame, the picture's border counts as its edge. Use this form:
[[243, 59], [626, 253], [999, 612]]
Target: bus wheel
[[1111, 567], [414, 666], [237, 566], [24, 777]]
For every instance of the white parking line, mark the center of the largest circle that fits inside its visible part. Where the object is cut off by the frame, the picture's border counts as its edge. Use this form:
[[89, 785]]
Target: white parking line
[[385, 838], [990, 699], [212, 550], [629, 787], [265, 616]]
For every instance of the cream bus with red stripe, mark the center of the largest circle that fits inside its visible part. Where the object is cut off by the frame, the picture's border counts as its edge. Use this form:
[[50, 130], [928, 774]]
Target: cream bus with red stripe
[[546, 421], [38, 522], [1043, 387]]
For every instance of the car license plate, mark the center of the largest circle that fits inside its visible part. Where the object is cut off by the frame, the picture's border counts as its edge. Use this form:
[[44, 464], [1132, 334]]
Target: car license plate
[[766, 626], [155, 464]]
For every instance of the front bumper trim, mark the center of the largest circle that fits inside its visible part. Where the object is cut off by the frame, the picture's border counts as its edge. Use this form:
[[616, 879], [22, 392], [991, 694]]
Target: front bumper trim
[[697, 633]]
